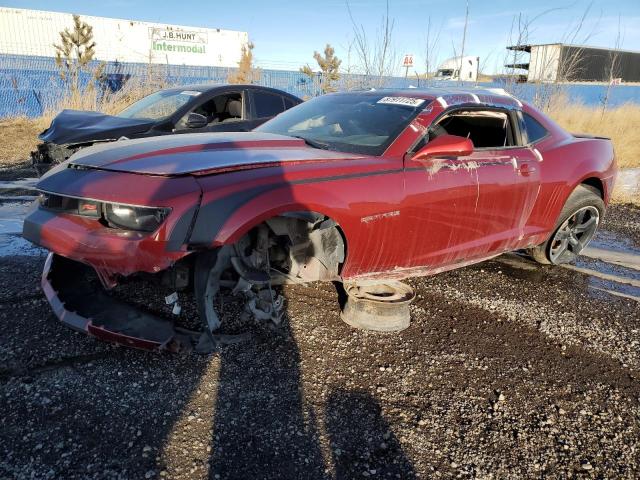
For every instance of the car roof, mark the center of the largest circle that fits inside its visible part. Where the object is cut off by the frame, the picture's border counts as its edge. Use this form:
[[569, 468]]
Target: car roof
[[448, 95], [208, 87]]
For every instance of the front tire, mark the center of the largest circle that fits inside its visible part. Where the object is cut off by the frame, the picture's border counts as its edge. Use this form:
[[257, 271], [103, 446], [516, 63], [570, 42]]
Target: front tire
[[576, 226]]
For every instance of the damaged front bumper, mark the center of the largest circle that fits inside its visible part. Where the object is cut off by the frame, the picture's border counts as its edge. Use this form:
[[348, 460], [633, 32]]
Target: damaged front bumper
[[80, 302], [47, 155]]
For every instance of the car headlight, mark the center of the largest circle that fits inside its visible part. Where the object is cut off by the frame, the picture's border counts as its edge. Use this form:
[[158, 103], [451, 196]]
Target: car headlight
[[146, 219]]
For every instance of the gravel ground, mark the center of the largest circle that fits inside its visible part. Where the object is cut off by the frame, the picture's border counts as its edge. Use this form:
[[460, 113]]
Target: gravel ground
[[508, 370]]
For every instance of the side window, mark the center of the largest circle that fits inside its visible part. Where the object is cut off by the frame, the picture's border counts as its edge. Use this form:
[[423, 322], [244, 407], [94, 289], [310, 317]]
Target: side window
[[219, 109], [267, 104], [535, 131], [485, 128], [288, 103]]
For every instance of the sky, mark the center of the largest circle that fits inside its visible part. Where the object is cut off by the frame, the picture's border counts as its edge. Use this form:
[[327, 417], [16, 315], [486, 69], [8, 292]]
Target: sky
[[286, 33]]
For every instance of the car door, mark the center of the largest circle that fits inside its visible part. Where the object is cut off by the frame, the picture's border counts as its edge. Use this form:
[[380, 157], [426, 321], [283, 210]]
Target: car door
[[265, 105], [470, 207]]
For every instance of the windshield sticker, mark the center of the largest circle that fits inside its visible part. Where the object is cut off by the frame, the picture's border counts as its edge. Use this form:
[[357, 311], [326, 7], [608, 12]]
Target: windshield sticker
[[406, 101], [191, 93]]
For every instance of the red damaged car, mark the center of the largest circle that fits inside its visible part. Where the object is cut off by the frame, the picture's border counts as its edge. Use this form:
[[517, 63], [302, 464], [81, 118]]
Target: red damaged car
[[351, 187]]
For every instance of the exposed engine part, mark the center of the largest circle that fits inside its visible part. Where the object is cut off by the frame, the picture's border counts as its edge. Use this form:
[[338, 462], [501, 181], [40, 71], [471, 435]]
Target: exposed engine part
[[48, 155], [289, 249], [178, 276], [383, 307], [266, 306], [293, 248], [304, 251]]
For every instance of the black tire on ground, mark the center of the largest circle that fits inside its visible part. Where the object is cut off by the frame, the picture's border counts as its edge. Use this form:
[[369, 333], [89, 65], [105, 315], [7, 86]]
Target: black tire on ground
[[583, 196]]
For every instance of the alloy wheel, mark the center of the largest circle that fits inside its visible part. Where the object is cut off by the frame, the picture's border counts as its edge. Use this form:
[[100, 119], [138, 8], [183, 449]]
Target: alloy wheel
[[574, 234]]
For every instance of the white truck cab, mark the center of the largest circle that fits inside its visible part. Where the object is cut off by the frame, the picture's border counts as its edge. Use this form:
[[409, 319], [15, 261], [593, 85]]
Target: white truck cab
[[459, 69]]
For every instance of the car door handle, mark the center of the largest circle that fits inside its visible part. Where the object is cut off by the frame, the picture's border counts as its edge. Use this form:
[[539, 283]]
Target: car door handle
[[525, 169]]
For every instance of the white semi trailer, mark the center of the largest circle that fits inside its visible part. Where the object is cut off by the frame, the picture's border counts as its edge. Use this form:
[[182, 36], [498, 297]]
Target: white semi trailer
[[459, 69]]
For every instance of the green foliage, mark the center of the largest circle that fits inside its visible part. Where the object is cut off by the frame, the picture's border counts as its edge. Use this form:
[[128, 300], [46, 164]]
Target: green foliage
[[329, 67], [75, 50], [74, 54]]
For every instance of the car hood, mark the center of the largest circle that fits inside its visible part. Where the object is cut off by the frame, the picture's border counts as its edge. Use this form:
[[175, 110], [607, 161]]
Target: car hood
[[78, 126], [199, 152]]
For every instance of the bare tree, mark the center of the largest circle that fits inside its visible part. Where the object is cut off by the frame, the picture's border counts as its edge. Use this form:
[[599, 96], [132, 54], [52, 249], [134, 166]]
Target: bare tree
[[431, 48], [613, 68], [329, 69], [571, 62], [376, 57], [565, 67]]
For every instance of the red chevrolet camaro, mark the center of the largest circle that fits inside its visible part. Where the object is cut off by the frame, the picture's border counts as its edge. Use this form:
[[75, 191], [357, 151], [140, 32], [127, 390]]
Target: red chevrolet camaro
[[354, 187]]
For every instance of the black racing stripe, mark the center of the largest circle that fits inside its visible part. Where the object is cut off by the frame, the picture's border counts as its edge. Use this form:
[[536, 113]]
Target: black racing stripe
[[213, 216], [33, 222], [180, 232], [345, 177]]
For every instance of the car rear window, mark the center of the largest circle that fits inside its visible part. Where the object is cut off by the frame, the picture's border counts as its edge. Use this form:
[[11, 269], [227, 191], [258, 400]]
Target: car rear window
[[535, 130], [267, 104], [289, 102]]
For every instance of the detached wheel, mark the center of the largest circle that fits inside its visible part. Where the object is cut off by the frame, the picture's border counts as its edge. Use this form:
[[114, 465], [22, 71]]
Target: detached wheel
[[382, 308], [576, 226]]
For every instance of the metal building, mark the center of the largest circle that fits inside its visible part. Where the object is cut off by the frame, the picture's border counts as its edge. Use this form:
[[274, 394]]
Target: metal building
[[575, 63]]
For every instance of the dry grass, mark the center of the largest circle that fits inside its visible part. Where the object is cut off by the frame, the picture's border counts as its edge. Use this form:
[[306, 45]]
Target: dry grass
[[621, 124], [20, 134], [19, 138], [109, 103]]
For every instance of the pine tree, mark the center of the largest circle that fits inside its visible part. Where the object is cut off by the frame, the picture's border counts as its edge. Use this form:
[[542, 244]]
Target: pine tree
[[329, 67], [75, 52]]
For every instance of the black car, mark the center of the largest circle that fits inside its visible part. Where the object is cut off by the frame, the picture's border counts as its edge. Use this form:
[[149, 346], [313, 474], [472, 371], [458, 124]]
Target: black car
[[189, 109]]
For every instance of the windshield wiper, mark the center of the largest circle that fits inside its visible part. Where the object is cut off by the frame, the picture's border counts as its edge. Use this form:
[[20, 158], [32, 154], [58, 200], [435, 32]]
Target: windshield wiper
[[312, 143]]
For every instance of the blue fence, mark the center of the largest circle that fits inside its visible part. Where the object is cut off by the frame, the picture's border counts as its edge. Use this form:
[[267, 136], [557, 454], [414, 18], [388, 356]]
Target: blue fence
[[30, 85]]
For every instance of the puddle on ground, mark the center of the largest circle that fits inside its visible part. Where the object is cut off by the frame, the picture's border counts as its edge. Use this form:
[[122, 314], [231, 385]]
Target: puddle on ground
[[12, 212], [610, 266], [600, 287], [607, 240], [12, 245], [628, 181], [22, 184]]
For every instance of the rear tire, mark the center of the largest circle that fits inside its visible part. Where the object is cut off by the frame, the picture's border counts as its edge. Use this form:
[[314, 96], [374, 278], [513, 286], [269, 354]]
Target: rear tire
[[576, 226]]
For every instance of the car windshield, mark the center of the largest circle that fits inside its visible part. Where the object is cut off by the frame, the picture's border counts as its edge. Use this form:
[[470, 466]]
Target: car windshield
[[355, 123], [158, 105]]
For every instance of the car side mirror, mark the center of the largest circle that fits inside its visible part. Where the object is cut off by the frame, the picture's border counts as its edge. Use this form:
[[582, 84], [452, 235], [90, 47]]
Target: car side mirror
[[195, 120], [445, 146]]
